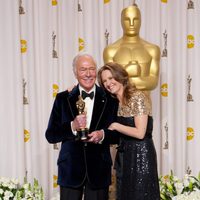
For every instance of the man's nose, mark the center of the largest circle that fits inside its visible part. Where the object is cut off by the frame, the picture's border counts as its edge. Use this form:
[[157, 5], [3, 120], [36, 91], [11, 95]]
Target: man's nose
[[87, 72]]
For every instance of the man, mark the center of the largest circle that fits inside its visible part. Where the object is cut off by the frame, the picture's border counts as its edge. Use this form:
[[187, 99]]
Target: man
[[84, 168], [139, 57]]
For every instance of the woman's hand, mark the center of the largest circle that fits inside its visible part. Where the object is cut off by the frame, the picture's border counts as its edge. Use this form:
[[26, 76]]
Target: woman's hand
[[113, 126], [71, 88]]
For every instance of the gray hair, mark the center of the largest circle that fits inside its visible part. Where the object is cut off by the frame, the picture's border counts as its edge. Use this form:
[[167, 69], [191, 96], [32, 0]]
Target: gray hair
[[82, 54]]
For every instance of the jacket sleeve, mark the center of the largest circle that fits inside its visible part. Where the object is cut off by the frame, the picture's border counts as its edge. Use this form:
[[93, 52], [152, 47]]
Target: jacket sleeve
[[59, 126], [111, 137]]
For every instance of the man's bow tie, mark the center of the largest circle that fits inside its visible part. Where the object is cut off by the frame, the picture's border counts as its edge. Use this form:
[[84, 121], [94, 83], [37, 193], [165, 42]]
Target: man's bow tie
[[85, 94]]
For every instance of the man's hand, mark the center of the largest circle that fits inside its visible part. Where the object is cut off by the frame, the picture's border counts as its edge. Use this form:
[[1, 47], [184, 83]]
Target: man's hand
[[96, 136], [79, 122]]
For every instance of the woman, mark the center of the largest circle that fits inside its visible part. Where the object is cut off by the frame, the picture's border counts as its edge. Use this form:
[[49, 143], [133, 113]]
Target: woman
[[135, 163]]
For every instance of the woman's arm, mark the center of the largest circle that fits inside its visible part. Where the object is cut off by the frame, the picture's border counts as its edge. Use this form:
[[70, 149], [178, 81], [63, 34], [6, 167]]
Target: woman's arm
[[138, 131]]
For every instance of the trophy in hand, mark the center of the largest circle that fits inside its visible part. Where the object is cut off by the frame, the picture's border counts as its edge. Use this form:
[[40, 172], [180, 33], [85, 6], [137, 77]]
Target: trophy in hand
[[83, 131]]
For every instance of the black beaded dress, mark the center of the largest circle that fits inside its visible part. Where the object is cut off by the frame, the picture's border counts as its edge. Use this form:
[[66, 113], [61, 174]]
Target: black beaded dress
[[136, 161]]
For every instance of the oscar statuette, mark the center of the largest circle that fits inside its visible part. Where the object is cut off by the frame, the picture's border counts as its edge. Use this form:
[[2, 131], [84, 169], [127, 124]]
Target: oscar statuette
[[83, 131]]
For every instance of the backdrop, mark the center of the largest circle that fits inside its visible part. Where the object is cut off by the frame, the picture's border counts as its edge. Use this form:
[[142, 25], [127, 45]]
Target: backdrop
[[39, 40]]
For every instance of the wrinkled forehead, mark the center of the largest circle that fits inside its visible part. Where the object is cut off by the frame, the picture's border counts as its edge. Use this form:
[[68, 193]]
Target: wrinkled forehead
[[86, 61], [131, 12]]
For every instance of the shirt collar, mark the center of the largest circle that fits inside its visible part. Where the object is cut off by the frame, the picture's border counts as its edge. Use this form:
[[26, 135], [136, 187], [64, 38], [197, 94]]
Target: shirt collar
[[92, 90]]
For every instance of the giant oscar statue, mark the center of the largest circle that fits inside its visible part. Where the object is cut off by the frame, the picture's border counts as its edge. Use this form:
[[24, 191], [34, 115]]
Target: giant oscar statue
[[139, 57]]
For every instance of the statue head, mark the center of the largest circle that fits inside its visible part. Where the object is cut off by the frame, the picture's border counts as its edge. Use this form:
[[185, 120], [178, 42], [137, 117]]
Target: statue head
[[131, 20]]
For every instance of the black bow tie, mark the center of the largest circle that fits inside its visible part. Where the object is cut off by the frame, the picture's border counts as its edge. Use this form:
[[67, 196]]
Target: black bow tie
[[85, 94]]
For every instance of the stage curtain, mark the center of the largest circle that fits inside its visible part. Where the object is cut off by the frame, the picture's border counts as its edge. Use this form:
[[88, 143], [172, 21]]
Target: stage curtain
[[39, 40]]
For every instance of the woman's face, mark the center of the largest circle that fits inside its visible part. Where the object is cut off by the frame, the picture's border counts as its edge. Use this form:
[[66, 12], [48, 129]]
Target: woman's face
[[110, 84]]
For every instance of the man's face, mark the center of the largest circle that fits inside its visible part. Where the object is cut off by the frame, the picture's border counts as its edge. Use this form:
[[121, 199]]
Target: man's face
[[131, 21], [86, 72]]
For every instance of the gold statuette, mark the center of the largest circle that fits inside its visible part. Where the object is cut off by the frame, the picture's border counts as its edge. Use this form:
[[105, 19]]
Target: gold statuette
[[83, 131]]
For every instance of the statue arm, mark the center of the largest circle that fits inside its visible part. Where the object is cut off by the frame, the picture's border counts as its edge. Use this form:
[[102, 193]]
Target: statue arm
[[155, 66], [150, 82], [108, 55], [145, 83], [110, 51]]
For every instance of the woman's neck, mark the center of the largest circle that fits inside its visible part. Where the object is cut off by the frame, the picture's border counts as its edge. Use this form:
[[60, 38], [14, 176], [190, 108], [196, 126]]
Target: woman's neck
[[120, 97]]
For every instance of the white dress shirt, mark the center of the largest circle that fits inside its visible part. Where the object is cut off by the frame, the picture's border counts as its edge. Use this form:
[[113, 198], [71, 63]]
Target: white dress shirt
[[89, 104]]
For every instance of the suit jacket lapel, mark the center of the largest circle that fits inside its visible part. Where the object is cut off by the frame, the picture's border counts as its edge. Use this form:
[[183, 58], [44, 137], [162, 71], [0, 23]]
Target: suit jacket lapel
[[100, 102], [72, 99]]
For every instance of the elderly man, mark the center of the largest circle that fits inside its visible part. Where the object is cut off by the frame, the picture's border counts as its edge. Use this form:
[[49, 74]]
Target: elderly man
[[84, 166]]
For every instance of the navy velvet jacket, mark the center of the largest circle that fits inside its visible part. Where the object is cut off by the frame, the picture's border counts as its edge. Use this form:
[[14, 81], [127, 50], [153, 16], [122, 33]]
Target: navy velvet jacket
[[77, 161]]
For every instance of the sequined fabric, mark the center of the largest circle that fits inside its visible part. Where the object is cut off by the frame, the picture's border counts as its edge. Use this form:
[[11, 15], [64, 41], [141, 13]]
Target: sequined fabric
[[139, 103], [136, 162]]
